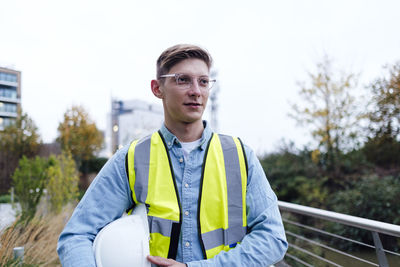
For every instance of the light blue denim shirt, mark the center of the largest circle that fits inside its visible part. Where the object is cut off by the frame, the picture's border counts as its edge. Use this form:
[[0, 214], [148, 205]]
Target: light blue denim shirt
[[109, 196]]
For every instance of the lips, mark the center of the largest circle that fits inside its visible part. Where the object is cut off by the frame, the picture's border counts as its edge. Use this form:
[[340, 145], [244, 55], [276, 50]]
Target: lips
[[192, 104]]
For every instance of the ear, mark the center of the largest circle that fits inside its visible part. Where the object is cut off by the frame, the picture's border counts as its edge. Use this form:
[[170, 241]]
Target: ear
[[155, 88]]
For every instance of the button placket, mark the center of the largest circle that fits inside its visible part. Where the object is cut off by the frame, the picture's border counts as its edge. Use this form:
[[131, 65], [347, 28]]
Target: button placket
[[186, 192]]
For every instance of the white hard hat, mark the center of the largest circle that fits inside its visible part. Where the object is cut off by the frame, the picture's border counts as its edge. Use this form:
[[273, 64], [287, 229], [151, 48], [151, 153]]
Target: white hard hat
[[124, 242]]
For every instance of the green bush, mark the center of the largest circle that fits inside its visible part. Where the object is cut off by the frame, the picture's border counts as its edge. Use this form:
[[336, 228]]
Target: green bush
[[5, 199], [58, 175], [63, 181], [287, 164], [383, 151], [292, 176], [92, 165], [372, 198], [354, 163], [30, 179]]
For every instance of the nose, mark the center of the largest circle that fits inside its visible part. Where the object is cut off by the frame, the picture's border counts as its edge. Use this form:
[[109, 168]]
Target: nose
[[195, 88]]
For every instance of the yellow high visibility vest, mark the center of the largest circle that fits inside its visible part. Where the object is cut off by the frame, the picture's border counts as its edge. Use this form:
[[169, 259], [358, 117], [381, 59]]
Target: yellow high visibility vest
[[222, 218]]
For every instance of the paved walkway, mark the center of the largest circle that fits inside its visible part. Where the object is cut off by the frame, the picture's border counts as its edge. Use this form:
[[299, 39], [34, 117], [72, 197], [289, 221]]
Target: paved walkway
[[7, 215]]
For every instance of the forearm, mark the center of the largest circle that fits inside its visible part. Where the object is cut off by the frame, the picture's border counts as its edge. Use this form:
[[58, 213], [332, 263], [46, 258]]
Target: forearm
[[76, 241], [105, 200], [264, 245], [82, 247]]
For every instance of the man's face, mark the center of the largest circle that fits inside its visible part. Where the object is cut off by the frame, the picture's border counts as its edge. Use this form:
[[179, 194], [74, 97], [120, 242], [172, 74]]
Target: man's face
[[184, 105]]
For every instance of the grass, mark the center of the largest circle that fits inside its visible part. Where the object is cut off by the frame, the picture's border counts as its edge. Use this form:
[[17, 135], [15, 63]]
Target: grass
[[39, 238]]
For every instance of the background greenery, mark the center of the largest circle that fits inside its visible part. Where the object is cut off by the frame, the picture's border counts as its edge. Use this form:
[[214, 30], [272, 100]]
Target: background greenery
[[353, 164]]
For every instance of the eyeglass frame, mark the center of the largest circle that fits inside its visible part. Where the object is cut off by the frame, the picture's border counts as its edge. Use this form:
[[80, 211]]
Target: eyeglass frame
[[176, 75]]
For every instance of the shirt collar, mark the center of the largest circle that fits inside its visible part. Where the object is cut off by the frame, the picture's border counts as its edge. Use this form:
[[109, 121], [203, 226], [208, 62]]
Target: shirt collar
[[170, 138]]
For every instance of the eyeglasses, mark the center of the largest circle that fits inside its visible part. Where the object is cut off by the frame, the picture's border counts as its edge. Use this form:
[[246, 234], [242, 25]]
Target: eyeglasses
[[185, 81]]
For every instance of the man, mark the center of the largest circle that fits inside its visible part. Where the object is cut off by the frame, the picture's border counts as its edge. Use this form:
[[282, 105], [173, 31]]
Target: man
[[208, 190]]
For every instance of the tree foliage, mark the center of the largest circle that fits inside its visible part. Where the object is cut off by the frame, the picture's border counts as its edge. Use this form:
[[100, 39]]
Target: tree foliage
[[370, 197], [63, 181], [328, 109], [57, 174], [294, 176], [369, 172], [79, 135], [30, 179], [93, 165], [383, 144], [385, 101], [17, 140]]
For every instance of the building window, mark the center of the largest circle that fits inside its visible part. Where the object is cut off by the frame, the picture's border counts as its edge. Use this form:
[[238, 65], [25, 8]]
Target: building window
[[4, 122], [8, 91], [8, 77], [8, 107]]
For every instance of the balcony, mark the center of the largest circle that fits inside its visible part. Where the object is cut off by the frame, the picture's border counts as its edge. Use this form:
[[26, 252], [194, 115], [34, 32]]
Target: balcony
[[8, 83], [8, 114], [10, 100]]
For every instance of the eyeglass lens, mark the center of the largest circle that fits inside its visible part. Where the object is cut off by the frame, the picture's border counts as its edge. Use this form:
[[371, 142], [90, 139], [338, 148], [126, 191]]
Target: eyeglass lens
[[187, 81]]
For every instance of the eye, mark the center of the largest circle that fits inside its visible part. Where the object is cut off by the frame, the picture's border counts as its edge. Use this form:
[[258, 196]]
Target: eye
[[204, 82], [183, 79]]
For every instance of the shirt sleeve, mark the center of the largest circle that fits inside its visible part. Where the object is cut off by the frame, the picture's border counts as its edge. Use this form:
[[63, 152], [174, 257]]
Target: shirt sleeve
[[265, 244], [107, 198]]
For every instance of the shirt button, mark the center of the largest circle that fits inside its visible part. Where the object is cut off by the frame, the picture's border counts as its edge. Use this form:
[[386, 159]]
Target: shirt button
[[180, 160], [187, 244], [186, 185], [169, 143], [186, 213]]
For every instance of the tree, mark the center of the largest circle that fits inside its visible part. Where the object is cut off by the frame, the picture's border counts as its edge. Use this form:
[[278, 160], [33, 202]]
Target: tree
[[383, 144], [17, 140], [30, 179], [328, 108], [79, 135], [385, 114], [63, 181]]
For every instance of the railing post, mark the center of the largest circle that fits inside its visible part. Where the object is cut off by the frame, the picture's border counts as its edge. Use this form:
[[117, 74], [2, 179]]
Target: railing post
[[19, 255], [380, 253], [12, 197]]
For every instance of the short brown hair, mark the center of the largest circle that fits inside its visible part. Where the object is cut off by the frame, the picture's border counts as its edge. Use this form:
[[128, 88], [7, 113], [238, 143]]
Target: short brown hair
[[175, 54]]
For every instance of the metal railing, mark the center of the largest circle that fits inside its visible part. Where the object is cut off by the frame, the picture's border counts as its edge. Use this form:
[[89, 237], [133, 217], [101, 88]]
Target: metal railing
[[375, 227]]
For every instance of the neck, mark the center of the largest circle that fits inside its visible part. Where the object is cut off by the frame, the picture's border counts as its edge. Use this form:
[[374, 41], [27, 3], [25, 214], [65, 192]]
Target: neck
[[186, 132]]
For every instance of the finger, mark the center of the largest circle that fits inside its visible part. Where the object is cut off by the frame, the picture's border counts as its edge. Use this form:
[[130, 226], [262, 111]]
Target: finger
[[160, 260]]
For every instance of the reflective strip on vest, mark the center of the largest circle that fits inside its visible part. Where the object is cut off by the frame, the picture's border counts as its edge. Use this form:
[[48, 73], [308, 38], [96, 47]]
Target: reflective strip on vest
[[223, 208], [152, 170], [222, 199], [224, 237], [160, 225], [142, 168]]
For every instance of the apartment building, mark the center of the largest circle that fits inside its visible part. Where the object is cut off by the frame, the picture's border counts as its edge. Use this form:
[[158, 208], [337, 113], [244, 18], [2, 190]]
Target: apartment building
[[10, 96]]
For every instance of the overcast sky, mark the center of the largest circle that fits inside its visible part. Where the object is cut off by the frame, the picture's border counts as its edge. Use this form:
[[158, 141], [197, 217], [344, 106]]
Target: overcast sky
[[85, 52]]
